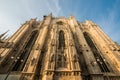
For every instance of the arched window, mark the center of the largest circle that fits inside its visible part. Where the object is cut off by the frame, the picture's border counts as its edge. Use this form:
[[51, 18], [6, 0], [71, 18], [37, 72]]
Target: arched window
[[61, 40], [26, 51], [99, 59]]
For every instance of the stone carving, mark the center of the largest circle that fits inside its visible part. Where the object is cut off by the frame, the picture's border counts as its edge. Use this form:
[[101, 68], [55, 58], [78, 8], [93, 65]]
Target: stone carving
[[61, 49]]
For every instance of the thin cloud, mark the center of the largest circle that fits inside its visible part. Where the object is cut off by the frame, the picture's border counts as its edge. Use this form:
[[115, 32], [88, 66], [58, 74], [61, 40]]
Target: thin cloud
[[17, 12], [53, 6], [106, 14]]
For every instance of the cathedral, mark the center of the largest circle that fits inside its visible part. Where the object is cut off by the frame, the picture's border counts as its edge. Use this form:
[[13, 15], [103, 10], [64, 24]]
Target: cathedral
[[59, 48]]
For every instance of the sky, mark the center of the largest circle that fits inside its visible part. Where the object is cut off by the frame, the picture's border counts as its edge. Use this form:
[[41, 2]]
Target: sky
[[105, 13]]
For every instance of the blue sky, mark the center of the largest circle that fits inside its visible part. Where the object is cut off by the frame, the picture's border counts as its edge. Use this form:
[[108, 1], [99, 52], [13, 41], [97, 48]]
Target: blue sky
[[106, 13]]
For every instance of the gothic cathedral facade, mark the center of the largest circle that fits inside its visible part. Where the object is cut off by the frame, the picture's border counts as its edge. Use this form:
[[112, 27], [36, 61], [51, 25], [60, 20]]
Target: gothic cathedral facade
[[59, 48]]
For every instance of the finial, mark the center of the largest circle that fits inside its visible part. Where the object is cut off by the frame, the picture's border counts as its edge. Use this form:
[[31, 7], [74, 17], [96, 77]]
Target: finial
[[4, 37], [3, 34]]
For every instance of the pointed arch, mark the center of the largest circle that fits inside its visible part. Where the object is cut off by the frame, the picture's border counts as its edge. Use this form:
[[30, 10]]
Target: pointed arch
[[99, 59], [61, 40]]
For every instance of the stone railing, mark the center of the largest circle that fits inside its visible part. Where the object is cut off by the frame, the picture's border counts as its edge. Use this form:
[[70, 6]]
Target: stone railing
[[26, 76]]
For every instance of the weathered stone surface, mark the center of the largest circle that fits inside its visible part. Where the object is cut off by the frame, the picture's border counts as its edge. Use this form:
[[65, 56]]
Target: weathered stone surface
[[59, 49]]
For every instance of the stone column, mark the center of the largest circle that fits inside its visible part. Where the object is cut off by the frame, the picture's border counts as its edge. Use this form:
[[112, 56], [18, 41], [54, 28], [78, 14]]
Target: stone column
[[91, 63], [104, 48], [72, 53], [35, 54], [51, 54]]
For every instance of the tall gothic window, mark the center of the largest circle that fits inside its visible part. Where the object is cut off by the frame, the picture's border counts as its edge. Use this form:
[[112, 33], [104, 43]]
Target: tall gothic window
[[99, 59], [61, 40], [61, 61], [25, 53]]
